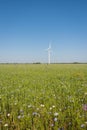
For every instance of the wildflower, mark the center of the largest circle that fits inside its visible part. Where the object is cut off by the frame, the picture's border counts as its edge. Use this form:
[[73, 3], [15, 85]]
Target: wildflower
[[80, 116], [56, 114], [29, 106], [8, 114], [42, 105], [37, 109], [19, 116], [53, 106], [54, 95], [85, 93], [34, 113], [50, 108], [55, 119], [85, 107], [6, 125], [83, 125], [21, 111], [86, 122], [52, 125], [70, 123]]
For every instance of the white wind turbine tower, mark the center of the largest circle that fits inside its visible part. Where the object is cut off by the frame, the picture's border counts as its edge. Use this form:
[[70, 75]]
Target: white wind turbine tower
[[49, 52]]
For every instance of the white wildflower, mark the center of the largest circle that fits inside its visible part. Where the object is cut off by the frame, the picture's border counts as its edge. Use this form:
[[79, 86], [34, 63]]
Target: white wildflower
[[56, 114], [53, 106], [37, 109], [29, 106], [55, 119], [86, 122], [19, 116], [42, 105], [8, 114], [6, 125], [50, 108], [83, 125]]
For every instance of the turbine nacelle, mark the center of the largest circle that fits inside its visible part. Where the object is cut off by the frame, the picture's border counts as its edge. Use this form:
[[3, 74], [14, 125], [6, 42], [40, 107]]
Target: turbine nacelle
[[49, 48]]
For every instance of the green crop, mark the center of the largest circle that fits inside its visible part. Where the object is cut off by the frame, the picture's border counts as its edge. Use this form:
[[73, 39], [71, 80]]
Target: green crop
[[43, 97]]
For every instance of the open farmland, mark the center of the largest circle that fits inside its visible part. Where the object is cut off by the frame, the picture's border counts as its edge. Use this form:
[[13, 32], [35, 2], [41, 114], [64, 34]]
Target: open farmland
[[43, 97]]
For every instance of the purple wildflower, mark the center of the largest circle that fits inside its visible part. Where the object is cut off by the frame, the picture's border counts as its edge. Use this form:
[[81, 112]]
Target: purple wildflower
[[85, 107]]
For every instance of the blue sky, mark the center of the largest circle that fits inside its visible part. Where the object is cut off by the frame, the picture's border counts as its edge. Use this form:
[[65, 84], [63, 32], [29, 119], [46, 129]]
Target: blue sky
[[28, 26]]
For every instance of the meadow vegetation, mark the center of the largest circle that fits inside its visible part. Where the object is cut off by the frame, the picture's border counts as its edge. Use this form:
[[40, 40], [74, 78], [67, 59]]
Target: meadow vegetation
[[43, 97]]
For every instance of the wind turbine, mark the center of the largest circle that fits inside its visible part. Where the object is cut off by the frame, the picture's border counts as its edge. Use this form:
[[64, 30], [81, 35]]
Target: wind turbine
[[49, 52]]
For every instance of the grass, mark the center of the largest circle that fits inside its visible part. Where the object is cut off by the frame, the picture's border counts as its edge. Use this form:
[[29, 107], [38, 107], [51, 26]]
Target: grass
[[43, 97]]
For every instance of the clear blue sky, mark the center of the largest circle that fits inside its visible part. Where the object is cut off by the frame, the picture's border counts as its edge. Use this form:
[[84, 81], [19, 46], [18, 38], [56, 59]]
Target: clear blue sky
[[27, 27]]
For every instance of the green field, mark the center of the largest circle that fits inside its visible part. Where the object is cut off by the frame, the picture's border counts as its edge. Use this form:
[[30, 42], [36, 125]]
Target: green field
[[43, 97]]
